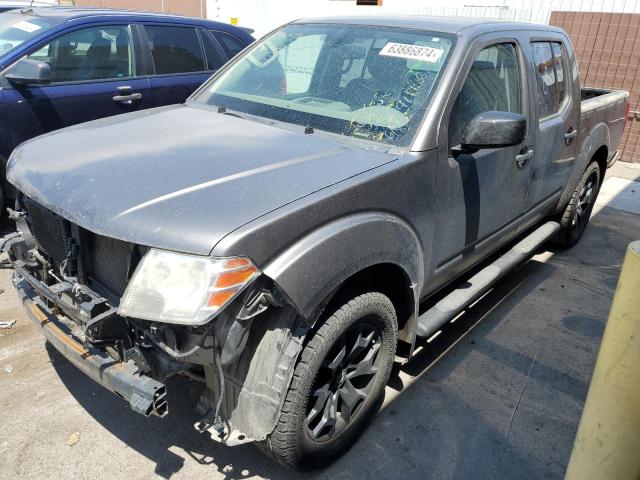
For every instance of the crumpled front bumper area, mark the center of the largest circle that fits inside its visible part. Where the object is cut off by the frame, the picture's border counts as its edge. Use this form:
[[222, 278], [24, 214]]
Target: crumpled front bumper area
[[145, 395]]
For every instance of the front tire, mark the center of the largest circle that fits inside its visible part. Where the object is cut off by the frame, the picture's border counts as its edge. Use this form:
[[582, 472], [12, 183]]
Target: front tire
[[338, 384], [576, 215]]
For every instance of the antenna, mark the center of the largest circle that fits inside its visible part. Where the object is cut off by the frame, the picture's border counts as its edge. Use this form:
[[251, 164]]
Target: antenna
[[29, 8]]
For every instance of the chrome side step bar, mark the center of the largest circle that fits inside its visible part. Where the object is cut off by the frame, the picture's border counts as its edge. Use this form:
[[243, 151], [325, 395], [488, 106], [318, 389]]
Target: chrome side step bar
[[459, 299]]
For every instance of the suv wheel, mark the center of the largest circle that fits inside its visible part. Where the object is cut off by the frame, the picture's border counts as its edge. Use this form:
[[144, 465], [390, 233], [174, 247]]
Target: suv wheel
[[338, 384], [576, 215]]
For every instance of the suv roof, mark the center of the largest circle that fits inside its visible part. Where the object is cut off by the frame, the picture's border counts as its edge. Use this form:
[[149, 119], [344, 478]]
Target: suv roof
[[73, 13]]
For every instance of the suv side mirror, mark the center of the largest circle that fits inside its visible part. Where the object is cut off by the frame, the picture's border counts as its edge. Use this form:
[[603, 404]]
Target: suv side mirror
[[494, 130], [29, 72]]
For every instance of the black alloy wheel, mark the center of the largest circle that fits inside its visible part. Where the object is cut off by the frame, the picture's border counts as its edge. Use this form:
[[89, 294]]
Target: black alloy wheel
[[344, 381], [338, 384], [586, 199]]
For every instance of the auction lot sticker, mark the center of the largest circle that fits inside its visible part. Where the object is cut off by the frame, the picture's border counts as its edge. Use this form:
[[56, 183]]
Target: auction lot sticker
[[27, 26], [411, 52]]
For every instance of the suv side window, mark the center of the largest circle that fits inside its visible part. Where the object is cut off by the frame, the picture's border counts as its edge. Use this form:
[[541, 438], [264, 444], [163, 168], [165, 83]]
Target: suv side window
[[215, 57], [549, 59], [493, 84], [175, 49], [95, 53], [231, 45]]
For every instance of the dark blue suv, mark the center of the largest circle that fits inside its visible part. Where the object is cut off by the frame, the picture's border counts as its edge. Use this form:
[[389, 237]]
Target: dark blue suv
[[63, 66]]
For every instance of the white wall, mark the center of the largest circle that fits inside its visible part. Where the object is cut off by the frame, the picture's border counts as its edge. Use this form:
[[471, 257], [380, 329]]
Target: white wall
[[265, 15]]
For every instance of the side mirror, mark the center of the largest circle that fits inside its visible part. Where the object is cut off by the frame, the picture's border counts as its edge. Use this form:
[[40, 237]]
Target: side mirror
[[29, 72], [494, 130]]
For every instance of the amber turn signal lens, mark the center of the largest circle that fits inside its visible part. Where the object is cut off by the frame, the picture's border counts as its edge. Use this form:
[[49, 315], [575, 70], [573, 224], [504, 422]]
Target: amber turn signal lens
[[218, 299], [237, 263], [235, 277]]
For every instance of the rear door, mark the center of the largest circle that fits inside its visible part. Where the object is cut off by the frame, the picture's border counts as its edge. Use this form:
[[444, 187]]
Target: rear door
[[94, 75], [179, 61], [480, 195], [557, 110]]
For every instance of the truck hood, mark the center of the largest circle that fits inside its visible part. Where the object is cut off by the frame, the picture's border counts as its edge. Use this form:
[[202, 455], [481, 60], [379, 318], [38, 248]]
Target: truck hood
[[179, 178]]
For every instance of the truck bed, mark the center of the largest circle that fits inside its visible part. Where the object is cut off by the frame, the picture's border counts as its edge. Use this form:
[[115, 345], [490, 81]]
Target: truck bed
[[599, 105], [593, 98]]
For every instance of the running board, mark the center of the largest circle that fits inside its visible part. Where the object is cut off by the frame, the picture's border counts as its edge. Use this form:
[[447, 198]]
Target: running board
[[459, 299]]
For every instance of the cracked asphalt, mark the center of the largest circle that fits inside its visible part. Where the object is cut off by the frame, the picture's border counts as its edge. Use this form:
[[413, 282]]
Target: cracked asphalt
[[497, 395]]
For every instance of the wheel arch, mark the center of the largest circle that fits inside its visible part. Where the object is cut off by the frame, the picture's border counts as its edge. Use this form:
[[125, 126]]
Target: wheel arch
[[377, 250], [387, 278], [595, 146], [601, 156], [371, 249]]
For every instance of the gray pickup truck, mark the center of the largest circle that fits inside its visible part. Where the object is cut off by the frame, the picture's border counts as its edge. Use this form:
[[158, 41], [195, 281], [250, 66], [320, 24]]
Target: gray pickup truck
[[290, 232]]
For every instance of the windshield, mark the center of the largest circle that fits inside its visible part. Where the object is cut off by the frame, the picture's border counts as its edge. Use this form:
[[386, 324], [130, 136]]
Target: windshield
[[17, 28], [367, 82]]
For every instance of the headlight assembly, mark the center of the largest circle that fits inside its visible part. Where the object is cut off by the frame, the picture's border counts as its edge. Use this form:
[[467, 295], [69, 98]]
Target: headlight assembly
[[184, 289]]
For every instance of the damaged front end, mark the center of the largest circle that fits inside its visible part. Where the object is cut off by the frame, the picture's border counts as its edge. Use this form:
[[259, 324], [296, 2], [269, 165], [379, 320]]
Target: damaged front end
[[110, 308]]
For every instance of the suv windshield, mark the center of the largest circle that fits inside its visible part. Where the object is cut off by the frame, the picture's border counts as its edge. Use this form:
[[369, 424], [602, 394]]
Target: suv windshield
[[17, 28], [367, 82]]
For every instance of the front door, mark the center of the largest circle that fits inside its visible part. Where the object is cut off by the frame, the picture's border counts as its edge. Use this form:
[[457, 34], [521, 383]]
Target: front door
[[480, 195], [93, 75]]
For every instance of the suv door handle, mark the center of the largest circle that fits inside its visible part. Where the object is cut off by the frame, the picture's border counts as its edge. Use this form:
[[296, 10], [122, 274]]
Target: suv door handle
[[523, 157], [128, 99], [570, 135], [125, 96]]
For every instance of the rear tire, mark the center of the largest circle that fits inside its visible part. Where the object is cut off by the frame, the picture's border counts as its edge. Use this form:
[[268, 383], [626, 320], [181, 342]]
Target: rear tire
[[576, 215], [338, 384]]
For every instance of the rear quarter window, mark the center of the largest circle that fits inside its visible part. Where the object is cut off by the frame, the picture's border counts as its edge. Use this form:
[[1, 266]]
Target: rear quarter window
[[215, 56], [231, 44]]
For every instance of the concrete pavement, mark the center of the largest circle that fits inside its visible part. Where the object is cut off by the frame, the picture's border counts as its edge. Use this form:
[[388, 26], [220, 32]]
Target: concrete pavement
[[497, 395]]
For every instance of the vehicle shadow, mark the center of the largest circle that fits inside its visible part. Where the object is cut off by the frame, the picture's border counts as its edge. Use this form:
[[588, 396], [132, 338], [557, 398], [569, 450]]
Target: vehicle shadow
[[153, 437], [6, 225]]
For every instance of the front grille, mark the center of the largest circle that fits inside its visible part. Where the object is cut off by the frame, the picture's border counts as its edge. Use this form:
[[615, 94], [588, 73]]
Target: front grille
[[105, 261], [51, 232]]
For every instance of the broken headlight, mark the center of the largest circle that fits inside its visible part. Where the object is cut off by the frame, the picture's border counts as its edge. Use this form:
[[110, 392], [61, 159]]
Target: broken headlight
[[184, 289]]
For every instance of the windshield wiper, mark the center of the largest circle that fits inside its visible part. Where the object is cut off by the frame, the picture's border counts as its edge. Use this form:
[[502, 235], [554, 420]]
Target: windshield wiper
[[223, 109]]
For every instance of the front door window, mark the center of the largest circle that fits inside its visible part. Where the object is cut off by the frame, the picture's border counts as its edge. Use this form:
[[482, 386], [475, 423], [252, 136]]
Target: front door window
[[95, 53]]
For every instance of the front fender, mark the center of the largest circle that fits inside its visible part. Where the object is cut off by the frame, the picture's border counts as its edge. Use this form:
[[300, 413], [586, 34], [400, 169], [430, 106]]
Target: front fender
[[308, 271]]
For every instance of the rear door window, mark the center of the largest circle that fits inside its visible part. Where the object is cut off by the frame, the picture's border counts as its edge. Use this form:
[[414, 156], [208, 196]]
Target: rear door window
[[550, 63], [232, 45], [559, 61], [175, 49]]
